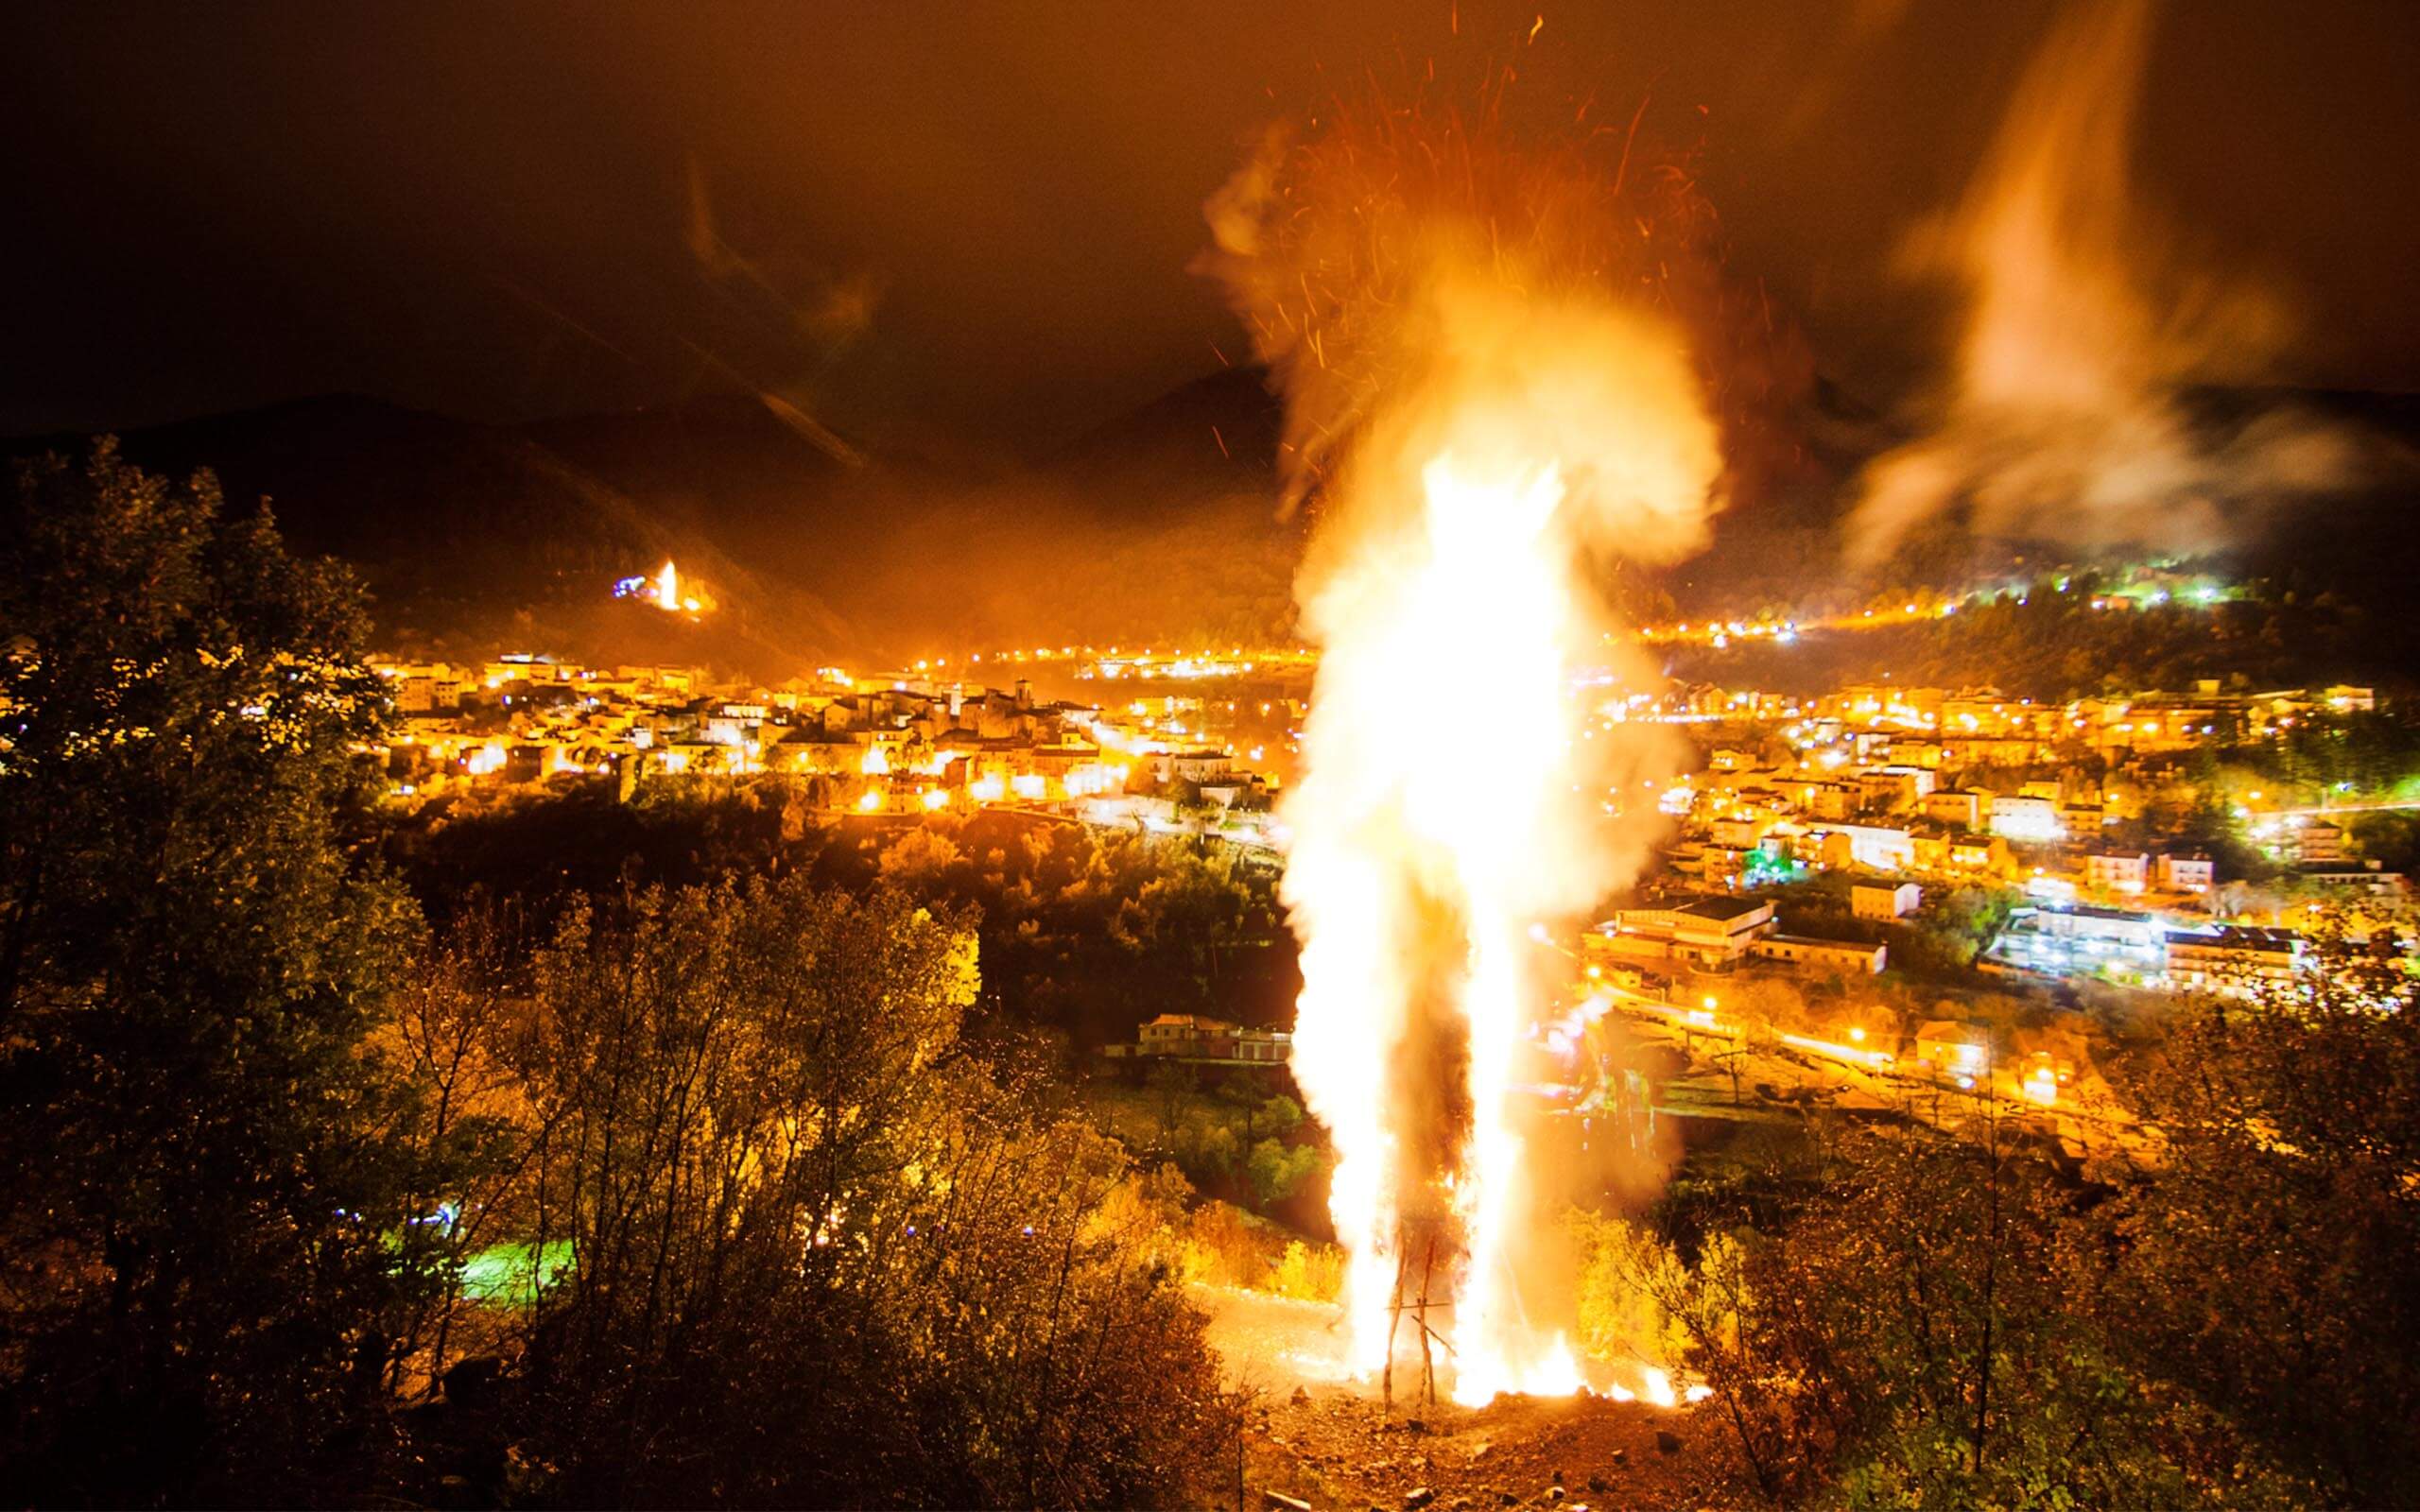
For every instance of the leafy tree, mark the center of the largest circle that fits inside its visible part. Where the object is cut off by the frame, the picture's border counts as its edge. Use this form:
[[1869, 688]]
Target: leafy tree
[[1195, 908], [1171, 1086], [197, 1213], [1630, 1291], [920, 860], [1281, 1115], [1312, 1273], [2270, 1262], [453, 1035], [1924, 1334], [2390, 838], [817, 1254], [1278, 1170]]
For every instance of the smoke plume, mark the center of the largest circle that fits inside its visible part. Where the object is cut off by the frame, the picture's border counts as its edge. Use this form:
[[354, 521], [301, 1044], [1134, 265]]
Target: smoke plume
[[2087, 328]]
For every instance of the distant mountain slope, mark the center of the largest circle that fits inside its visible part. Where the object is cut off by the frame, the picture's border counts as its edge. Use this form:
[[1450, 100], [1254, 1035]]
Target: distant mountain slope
[[472, 536], [1225, 422], [1157, 527]]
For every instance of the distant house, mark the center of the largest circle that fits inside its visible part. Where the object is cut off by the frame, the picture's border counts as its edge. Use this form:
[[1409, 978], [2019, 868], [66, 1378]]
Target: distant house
[[1878, 902], [1741, 831], [1838, 955], [1195, 1036], [1639, 981], [2120, 927], [809, 748], [2234, 958], [1196, 766], [2027, 818], [2368, 878], [1873, 847], [2320, 842], [1946, 1044], [1893, 789], [1715, 934], [1704, 931], [2186, 873], [2117, 873], [1985, 855], [430, 690], [1964, 808]]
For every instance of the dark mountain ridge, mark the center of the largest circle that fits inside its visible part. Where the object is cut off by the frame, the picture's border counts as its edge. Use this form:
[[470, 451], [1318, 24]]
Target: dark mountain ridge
[[1157, 527]]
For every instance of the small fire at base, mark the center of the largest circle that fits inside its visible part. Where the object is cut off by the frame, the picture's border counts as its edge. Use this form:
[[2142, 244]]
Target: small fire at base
[[664, 589]]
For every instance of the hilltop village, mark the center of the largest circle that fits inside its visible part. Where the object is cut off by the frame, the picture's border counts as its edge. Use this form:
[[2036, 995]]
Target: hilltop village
[[903, 744]]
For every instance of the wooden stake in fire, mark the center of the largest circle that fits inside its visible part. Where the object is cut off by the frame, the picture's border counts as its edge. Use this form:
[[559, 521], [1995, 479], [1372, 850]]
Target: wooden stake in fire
[[1418, 1233]]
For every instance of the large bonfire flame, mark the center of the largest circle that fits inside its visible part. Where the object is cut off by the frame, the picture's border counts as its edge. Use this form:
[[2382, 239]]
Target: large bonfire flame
[[1487, 403]]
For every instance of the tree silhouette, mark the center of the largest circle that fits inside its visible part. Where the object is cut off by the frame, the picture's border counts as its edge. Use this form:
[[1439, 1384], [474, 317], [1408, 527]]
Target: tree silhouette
[[197, 1213]]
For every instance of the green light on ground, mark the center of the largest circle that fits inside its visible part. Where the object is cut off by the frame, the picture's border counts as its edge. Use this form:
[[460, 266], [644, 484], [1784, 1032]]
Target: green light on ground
[[513, 1274]]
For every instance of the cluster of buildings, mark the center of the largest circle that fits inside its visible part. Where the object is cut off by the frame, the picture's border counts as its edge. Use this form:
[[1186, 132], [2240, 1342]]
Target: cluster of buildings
[[2145, 948], [895, 743], [1910, 781], [1922, 785], [1717, 934], [1196, 1039], [1983, 725]]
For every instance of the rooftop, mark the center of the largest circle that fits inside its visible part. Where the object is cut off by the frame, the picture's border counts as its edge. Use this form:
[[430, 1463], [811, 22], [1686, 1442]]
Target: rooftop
[[2237, 937], [1721, 910]]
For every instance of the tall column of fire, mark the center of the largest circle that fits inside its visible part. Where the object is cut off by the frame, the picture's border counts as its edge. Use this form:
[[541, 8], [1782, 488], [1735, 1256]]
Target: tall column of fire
[[1487, 410]]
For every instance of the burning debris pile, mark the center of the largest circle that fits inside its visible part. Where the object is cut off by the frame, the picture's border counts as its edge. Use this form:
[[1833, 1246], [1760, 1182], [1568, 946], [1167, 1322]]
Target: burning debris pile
[[1493, 387]]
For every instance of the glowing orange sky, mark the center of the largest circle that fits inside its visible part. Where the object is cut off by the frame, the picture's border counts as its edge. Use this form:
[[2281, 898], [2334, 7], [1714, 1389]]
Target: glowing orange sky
[[489, 209]]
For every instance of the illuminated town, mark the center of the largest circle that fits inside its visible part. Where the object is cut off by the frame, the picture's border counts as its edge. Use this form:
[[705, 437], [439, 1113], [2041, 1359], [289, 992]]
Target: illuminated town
[[887, 745], [2059, 805], [2039, 843], [1413, 754]]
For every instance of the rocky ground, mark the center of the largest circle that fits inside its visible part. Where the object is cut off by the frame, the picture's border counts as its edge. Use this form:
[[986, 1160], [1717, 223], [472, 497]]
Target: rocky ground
[[1318, 1440], [1334, 1447]]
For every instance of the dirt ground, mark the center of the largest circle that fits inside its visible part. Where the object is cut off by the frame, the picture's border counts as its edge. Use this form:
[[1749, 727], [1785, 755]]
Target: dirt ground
[[1322, 1440]]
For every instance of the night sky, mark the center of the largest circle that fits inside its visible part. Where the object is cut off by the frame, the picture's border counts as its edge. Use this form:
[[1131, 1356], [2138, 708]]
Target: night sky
[[957, 225]]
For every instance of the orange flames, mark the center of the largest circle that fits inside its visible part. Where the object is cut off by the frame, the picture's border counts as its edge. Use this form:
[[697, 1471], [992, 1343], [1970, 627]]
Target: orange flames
[[1415, 875], [664, 589], [1527, 423]]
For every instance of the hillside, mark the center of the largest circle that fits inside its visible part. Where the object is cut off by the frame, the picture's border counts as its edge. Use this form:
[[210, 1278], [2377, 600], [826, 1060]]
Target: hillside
[[1158, 526], [472, 536]]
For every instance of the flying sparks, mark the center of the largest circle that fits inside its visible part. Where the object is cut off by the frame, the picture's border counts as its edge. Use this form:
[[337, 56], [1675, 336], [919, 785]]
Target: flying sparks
[[1500, 419]]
